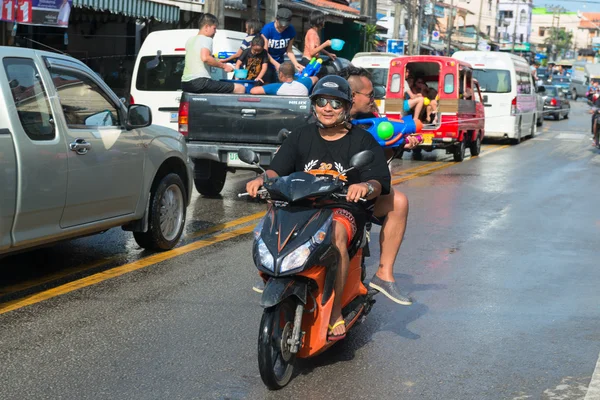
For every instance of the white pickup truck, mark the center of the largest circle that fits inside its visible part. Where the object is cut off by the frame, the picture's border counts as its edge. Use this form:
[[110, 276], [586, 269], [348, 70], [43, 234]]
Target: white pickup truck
[[75, 161]]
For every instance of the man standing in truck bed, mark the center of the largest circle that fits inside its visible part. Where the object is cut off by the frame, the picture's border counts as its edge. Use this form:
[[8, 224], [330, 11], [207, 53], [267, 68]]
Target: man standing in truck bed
[[198, 60]]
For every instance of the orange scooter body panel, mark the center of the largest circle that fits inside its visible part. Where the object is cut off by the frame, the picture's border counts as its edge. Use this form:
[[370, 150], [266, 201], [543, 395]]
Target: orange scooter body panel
[[316, 324]]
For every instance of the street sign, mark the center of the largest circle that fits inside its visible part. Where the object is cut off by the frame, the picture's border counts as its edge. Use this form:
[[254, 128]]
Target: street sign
[[435, 35], [395, 46]]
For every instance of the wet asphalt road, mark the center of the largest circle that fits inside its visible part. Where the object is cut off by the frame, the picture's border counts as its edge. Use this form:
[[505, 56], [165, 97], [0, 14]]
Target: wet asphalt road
[[500, 254]]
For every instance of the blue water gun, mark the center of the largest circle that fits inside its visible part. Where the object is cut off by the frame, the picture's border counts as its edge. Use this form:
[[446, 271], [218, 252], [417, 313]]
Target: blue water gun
[[224, 54], [311, 69], [389, 132]]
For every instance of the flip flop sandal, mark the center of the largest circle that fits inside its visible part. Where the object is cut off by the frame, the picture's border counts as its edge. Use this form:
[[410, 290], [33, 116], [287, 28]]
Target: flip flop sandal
[[333, 338]]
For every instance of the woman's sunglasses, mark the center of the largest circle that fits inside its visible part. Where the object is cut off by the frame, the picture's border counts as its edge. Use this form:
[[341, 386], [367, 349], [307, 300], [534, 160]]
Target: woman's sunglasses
[[335, 104]]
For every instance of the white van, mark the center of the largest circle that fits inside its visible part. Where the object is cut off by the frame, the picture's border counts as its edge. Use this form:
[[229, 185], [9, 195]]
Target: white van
[[584, 75], [508, 90], [156, 80], [378, 64]]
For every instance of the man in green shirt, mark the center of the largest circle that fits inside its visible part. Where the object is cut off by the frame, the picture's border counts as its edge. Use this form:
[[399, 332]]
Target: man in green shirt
[[198, 60]]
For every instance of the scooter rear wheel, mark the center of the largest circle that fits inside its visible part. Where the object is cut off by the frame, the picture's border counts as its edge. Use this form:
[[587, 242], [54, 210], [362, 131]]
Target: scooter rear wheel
[[275, 361]]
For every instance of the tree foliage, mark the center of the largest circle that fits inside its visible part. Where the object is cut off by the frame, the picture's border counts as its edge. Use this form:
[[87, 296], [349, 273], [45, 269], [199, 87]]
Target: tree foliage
[[558, 40]]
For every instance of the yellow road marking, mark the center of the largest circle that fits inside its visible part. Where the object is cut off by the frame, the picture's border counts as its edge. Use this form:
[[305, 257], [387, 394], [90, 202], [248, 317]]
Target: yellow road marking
[[123, 269], [160, 257], [444, 165], [98, 263]]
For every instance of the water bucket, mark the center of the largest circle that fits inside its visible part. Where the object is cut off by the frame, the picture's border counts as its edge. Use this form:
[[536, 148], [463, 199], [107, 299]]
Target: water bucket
[[337, 44], [240, 73]]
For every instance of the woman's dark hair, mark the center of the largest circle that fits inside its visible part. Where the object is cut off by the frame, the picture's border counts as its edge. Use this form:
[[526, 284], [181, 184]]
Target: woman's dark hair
[[207, 19], [258, 41], [316, 19], [255, 25]]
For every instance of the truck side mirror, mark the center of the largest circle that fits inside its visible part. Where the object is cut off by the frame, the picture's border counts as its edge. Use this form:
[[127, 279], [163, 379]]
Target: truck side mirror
[[138, 116]]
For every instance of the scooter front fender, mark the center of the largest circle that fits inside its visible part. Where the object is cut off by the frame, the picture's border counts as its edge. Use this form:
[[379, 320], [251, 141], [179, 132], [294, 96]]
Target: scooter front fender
[[278, 289]]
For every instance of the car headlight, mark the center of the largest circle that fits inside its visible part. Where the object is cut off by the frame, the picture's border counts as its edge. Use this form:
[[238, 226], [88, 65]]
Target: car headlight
[[265, 256], [296, 258]]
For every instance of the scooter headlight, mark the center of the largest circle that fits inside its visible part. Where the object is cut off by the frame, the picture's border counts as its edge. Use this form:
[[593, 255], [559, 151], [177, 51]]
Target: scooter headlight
[[265, 256], [296, 258]]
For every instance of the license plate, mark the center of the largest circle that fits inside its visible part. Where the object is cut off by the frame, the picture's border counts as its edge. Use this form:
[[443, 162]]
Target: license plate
[[234, 161], [174, 116], [427, 139]]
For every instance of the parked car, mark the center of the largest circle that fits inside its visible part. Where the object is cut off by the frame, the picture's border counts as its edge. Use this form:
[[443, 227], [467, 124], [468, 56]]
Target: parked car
[[562, 82], [76, 161], [555, 102]]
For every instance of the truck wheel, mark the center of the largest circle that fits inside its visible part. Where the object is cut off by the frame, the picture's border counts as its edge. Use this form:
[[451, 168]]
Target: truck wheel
[[459, 151], [166, 215], [417, 154], [475, 147], [209, 177]]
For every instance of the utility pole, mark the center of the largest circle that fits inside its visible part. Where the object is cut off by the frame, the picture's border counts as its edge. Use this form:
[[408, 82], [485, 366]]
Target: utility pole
[[450, 27], [478, 25], [514, 39], [217, 8], [420, 10], [397, 16]]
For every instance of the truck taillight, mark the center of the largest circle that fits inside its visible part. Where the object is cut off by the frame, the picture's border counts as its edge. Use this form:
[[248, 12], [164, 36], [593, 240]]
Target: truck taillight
[[553, 102], [184, 112], [513, 106], [131, 101]]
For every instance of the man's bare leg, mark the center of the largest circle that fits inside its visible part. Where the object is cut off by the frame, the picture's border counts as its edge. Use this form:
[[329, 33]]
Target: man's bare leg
[[394, 207], [341, 242]]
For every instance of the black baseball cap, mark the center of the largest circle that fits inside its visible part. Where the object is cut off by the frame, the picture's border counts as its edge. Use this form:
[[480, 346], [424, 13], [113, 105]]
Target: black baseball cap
[[284, 16]]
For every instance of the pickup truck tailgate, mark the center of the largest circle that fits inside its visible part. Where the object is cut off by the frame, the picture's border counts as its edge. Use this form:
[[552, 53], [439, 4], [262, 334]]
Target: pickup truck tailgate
[[233, 118]]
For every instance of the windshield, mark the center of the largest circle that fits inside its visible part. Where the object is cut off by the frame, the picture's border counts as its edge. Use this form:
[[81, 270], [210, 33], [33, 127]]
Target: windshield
[[493, 80], [379, 78], [164, 75], [550, 91]]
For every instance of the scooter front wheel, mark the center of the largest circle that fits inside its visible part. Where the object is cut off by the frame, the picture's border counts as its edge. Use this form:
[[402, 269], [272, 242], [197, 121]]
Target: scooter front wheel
[[275, 360]]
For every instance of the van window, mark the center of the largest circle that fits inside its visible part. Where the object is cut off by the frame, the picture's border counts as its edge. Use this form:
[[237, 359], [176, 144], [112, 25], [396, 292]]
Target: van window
[[395, 85], [449, 83], [30, 97], [379, 77], [523, 83], [160, 75], [493, 80]]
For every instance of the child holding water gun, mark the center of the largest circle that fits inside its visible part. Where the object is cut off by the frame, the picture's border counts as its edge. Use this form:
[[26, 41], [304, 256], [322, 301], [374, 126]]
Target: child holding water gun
[[253, 28]]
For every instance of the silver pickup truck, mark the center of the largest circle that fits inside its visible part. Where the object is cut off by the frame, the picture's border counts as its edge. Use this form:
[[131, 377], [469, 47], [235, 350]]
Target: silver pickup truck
[[75, 161]]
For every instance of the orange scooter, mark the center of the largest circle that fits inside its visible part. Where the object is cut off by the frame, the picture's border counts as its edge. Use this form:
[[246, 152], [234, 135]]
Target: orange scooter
[[294, 254]]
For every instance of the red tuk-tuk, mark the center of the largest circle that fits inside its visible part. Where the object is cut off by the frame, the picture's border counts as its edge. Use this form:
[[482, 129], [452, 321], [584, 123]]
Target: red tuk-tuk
[[459, 120]]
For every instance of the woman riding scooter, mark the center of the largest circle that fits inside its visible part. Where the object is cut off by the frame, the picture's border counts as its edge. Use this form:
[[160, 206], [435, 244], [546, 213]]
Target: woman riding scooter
[[325, 148]]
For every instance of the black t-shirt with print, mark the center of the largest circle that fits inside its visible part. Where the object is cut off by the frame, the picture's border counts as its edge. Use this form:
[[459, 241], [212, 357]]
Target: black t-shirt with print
[[253, 62], [306, 150]]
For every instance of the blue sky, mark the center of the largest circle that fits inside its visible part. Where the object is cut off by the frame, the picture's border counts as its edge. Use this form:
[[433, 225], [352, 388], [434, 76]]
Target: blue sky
[[571, 5]]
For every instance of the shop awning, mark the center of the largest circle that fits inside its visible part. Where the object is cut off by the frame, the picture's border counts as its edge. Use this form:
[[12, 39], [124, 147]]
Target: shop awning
[[133, 8], [329, 8]]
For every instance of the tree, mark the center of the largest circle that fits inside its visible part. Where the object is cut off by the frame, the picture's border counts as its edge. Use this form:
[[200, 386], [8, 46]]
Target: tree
[[558, 41], [370, 40]]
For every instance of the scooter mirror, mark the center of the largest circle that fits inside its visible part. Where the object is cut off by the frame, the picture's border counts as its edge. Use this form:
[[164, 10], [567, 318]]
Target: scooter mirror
[[283, 134], [248, 156], [362, 159]]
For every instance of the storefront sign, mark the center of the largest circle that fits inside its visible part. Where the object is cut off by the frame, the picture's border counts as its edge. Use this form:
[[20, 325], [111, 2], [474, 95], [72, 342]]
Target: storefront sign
[[37, 12], [439, 11]]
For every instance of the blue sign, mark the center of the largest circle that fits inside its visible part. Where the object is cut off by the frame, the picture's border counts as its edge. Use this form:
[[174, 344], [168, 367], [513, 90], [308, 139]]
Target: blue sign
[[395, 46]]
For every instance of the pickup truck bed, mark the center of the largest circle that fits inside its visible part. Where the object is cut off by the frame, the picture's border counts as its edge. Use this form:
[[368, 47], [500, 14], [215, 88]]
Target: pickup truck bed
[[218, 125]]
